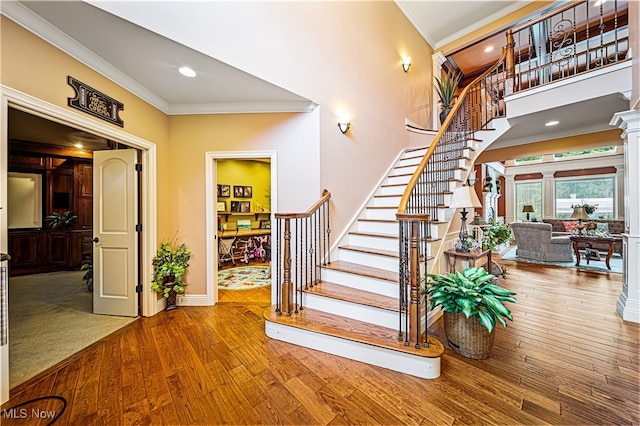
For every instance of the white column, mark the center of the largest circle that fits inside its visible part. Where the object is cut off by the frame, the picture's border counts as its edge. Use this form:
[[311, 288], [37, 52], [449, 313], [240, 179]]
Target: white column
[[437, 59], [620, 191], [548, 195], [628, 306], [510, 193]]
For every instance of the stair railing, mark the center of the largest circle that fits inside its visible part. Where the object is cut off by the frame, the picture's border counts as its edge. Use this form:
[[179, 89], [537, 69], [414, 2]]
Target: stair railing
[[302, 243], [570, 40], [424, 196]]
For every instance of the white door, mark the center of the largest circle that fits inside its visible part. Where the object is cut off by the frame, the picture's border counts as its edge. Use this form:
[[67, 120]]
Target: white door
[[115, 248]]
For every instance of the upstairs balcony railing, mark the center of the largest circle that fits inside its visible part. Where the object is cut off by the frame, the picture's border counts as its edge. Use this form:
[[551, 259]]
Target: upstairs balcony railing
[[302, 244], [576, 38]]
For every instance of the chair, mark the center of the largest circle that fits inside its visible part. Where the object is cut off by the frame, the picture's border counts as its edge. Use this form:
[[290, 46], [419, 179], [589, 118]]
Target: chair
[[534, 241]]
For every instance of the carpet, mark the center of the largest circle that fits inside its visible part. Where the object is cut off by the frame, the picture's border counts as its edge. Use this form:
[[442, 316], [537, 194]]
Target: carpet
[[51, 318], [244, 277], [594, 265]]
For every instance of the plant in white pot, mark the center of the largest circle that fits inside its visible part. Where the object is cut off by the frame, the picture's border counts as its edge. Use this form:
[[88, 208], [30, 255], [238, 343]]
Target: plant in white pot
[[472, 305], [169, 268]]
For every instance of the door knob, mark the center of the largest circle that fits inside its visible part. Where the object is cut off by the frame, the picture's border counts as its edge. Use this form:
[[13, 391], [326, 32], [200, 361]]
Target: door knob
[[96, 240]]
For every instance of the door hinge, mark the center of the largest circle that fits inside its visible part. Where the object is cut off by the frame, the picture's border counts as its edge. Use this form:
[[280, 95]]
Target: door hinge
[[138, 167], [139, 288], [139, 227]]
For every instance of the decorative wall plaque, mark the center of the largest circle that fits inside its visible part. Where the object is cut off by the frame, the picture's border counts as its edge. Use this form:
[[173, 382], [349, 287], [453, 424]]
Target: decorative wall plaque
[[94, 102]]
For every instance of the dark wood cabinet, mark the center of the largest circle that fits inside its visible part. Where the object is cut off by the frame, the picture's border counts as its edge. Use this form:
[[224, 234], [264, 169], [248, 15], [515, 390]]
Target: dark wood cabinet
[[68, 185]]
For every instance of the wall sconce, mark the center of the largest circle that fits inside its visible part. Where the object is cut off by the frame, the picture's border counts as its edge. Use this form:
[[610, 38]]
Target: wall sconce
[[343, 123], [406, 63]]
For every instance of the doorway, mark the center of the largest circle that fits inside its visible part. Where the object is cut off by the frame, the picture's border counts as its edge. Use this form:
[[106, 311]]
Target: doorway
[[19, 101], [241, 198]]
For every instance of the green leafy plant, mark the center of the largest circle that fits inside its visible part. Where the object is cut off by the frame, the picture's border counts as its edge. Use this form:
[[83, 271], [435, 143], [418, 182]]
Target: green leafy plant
[[496, 235], [446, 89], [471, 292], [169, 268], [61, 220]]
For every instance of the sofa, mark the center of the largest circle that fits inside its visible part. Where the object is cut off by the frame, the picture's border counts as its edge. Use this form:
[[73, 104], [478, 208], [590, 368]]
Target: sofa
[[613, 226], [535, 241]]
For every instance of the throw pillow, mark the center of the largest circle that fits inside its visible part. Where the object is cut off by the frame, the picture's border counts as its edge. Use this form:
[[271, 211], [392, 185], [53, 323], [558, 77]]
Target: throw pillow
[[602, 228], [571, 226]]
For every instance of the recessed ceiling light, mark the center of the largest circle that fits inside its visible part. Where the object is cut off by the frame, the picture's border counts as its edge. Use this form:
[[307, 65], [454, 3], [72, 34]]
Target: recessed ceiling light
[[78, 145], [187, 72], [488, 49], [551, 123]]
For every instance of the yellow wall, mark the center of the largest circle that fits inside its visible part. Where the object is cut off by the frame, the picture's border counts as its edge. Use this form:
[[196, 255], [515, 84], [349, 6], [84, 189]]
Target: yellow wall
[[257, 175], [33, 66]]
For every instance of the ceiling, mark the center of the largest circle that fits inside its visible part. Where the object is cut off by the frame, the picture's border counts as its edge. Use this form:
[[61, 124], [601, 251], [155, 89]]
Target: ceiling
[[143, 68]]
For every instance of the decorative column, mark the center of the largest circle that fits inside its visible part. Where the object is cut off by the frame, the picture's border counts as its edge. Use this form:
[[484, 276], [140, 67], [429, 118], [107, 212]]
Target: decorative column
[[510, 193], [620, 191], [628, 306], [548, 195]]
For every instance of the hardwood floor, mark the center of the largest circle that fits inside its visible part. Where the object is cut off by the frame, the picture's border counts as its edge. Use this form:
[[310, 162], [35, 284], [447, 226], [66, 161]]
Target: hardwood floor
[[567, 358]]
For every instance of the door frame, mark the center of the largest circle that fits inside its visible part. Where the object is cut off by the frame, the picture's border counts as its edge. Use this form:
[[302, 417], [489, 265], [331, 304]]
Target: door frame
[[211, 197]]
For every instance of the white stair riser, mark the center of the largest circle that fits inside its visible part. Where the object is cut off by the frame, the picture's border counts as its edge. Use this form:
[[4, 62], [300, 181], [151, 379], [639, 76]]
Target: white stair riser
[[403, 170], [390, 201], [377, 316], [427, 368], [374, 242], [374, 285], [391, 190], [384, 214], [398, 179], [378, 227], [408, 162], [369, 259]]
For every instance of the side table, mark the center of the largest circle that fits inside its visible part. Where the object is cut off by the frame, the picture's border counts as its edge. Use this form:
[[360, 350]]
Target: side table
[[588, 241], [472, 257]]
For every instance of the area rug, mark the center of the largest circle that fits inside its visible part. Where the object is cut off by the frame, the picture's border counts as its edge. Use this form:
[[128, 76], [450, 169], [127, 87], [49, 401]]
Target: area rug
[[594, 265], [51, 318], [244, 277]]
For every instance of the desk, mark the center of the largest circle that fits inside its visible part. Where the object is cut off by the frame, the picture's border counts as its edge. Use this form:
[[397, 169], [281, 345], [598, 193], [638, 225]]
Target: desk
[[588, 243], [472, 257]]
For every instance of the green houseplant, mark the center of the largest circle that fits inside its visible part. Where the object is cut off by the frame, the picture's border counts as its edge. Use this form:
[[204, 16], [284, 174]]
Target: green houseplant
[[169, 268], [472, 304], [61, 220], [493, 237], [446, 89]]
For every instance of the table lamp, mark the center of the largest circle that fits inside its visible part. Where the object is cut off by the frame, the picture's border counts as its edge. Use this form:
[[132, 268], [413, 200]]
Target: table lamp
[[464, 197], [579, 213], [527, 208]]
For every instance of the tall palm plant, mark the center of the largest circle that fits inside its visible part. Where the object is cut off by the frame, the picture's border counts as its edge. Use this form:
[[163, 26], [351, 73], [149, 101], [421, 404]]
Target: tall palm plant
[[446, 89]]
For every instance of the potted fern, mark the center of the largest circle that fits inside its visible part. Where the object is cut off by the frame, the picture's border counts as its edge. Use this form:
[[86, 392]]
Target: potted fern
[[446, 89], [472, 304], [169, 268], [63, 220]]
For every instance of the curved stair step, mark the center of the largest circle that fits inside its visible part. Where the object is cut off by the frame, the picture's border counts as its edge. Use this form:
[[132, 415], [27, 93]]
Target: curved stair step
[[348, 294], [354, 330]]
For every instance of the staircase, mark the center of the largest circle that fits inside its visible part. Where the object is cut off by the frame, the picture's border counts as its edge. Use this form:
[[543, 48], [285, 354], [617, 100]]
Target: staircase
[[353, 311]]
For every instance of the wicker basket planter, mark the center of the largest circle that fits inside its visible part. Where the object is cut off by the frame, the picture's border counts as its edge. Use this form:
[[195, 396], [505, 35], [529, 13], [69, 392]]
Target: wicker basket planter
[[467, 336]]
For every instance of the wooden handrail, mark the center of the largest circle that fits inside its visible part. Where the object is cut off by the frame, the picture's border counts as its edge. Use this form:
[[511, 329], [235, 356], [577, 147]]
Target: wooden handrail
[[404, 201]]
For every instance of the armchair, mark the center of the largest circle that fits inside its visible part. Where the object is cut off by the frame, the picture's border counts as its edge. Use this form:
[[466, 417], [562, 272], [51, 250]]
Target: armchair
[[535, 241]]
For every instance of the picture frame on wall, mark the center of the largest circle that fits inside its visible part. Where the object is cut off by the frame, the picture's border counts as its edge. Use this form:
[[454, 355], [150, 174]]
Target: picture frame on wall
[[224, 191], [235, 207], [221, 206], [265, 224], [240, 191], [245, 206]]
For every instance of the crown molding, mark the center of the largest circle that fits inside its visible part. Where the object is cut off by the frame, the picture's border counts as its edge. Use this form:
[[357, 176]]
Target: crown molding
[[24, 17], [241, 108]]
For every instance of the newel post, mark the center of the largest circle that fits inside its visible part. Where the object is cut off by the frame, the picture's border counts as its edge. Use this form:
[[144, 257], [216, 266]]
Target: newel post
[[510, 64], [415, 307], [287, 287]]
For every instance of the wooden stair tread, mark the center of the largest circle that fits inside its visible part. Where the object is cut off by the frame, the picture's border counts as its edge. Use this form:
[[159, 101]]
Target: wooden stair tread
[[354, 330], [348, 294], [386, 253], [365, 271]]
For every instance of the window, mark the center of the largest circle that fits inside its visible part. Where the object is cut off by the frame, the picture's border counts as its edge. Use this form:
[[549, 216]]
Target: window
[[528, 159], [609, 149], [529, 193], [598, 191]]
